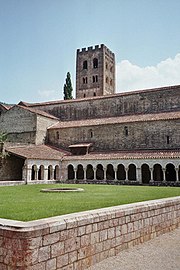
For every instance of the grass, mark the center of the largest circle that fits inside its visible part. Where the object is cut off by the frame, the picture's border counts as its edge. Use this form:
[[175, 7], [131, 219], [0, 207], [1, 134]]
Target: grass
[[27, 203]]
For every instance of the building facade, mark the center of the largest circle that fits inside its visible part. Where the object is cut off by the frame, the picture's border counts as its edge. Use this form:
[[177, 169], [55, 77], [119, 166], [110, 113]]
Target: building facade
[[99, 137]]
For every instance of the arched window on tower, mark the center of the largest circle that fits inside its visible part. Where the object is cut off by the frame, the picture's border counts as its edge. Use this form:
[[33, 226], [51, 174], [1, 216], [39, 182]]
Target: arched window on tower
[[95, 63], [85, 64]]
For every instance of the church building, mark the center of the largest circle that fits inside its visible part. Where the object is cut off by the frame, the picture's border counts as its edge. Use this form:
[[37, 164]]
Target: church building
[[98, 137]]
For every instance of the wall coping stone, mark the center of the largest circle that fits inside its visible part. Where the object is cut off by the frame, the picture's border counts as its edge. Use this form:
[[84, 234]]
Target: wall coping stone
[[82, 218]]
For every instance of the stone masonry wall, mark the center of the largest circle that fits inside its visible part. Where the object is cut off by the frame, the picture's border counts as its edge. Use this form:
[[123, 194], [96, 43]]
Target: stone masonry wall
[[77, 241], [11, 168], [42, 124], [141, 135], [20, 125], [147, 101]]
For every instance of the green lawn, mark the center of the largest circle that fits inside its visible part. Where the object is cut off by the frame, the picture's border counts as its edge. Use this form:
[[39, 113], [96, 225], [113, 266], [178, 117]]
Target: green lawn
[[28, 203]]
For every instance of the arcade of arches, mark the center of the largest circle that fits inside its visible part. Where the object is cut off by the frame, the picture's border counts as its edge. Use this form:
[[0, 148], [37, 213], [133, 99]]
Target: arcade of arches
[[144, 174], [45, 173]]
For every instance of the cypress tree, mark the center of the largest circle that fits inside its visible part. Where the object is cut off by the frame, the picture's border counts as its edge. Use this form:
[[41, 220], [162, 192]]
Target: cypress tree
[[68, 87]]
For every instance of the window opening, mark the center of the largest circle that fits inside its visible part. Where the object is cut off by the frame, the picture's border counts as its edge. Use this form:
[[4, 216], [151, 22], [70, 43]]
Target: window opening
[[85, 64], [126, 131], [95, 63], [94, 94], [167, 139], [57, 135]]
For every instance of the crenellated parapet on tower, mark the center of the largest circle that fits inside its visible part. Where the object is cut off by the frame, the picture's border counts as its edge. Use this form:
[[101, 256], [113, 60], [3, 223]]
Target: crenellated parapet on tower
[[95, 72]]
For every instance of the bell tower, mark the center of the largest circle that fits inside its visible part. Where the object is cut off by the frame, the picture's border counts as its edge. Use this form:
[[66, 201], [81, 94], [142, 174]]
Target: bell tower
[[95, 72]]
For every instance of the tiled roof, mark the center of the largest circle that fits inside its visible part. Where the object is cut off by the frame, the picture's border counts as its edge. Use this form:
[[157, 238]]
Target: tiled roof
[[151, 154], [80, 145], [6, 107], [38, 152], [118, 120], [100, 97], [39, 112]]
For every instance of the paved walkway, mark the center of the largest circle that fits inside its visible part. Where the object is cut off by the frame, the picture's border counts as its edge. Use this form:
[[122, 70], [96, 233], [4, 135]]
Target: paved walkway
[[161, 253]]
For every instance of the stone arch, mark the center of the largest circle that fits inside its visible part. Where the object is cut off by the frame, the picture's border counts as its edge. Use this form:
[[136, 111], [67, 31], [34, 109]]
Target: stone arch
[[50, 172], [132, 172], [89, 172], [110, 174], [170, 172], [80, 172], [99, 172], [71, 173], [56, 172], [146, 174], [157, 172], [41, 172], [34, 172], [121, 173]]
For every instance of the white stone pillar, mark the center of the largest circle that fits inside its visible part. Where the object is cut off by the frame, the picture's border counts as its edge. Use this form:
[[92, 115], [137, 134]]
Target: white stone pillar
[[126, 171], [28, 175], [46, 173], [164, 175], [75, 174], [177, 174], [105, 170], [36, 173], [94, 170], [115, 172], [151, 175], [139, 175], [84, 170]]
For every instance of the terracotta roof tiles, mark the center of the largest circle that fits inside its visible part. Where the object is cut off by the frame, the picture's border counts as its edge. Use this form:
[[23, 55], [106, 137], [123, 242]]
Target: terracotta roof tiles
[[148, 154], [118, 120], [43, 152]]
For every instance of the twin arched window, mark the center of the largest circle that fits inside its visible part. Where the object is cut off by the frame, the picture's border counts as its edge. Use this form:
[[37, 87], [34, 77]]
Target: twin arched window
[[95, 63]]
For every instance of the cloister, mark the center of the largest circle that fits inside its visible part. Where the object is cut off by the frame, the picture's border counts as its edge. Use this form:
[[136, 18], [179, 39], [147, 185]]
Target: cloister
[[143, 171]]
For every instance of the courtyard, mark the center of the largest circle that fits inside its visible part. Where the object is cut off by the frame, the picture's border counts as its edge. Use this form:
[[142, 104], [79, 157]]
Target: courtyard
[[27, 202]]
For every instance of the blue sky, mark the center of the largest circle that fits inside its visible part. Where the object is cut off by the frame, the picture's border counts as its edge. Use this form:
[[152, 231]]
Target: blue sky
[[39, 38]]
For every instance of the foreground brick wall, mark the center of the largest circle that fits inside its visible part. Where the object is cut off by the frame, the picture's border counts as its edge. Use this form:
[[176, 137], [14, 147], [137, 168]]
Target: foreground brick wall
[[79, 240]]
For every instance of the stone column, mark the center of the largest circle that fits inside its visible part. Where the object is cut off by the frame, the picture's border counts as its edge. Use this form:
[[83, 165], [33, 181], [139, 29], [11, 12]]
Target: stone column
[[139, 176], [115, 172], [94, 170], [84, 170], [105, 169], [177, 174], [151, 177], [28, 174], [164, 175], [45, 173], [36, 173], [75, 174], [126, 171]]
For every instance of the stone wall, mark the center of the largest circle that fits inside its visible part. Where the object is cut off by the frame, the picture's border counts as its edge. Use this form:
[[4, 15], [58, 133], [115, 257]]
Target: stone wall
[[41, 128], [11, 168], [77, 241], [127, 136], [147, 101], [20, 125]]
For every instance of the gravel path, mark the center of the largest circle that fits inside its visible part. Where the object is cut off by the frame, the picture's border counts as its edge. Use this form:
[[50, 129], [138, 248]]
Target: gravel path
[[161, 253]]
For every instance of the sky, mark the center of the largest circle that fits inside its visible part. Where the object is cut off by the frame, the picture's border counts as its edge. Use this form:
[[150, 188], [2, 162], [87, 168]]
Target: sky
[[39, 39]]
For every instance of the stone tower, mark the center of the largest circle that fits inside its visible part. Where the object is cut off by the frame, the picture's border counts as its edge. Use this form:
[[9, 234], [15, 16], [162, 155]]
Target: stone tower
[[95, 72]]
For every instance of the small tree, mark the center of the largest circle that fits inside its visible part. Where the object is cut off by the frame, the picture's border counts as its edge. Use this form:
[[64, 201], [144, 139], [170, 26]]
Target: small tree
[[68, 87]]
